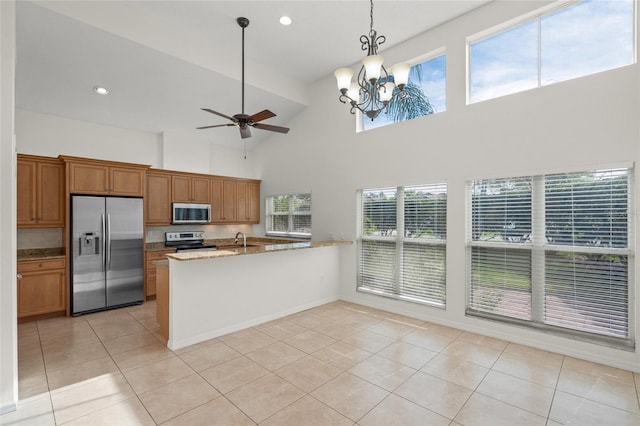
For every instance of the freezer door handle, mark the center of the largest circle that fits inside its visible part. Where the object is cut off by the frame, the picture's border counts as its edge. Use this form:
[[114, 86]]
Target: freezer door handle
[[108, 239], [104, 233]]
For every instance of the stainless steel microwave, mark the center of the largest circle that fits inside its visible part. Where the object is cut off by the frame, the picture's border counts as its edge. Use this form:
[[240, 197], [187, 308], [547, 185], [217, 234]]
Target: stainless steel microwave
[[191, 213]]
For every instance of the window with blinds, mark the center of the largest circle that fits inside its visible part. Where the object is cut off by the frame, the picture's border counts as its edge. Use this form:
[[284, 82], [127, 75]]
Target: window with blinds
[[289, 215], [402, 243], [553, 251]]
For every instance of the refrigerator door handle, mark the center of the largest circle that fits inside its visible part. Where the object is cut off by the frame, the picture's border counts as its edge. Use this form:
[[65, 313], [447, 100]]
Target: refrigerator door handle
[[108, 240], [103, 245]]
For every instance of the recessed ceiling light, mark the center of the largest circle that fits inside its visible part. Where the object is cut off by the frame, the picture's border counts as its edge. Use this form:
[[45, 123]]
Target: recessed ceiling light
[[285, 20], [100, 90]]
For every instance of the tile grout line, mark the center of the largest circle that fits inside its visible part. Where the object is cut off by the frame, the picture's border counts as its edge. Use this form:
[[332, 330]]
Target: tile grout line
[[555, 391], [46, 375], [125, 377]]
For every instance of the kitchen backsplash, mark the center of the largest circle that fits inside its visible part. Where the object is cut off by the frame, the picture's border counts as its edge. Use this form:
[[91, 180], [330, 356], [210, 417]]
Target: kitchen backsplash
[[40, 238], [155, 234], [54, 237]]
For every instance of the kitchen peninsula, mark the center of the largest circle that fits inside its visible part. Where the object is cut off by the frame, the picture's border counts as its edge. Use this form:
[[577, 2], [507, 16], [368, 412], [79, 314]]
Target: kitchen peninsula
[[206, 294]]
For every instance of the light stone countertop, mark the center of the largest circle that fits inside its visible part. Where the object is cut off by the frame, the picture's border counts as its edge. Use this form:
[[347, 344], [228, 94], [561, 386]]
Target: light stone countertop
[[41, 254], [253, 247]]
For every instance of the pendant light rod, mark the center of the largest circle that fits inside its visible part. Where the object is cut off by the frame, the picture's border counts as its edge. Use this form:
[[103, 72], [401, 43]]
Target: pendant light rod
[[374, 87], [244, 23]]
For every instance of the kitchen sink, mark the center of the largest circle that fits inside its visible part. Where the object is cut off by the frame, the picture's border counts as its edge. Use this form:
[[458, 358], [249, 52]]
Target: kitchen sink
[[236, 246]]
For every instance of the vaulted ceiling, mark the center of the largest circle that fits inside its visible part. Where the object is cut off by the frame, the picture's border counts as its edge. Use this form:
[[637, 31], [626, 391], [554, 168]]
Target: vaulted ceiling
[[164, 60]]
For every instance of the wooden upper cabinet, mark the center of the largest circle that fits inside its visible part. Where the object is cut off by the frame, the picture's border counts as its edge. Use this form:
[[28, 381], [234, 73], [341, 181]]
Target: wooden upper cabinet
[[248, 202], [26, 192], [158, 199], [126, 181], [40, 192], [190, 189], [200, 190], [229, 197], [87, 176], [50, 200], [223, 200]]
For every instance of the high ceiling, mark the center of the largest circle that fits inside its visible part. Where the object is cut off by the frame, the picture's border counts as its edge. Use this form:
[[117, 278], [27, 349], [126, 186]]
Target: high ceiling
[[164, 60]]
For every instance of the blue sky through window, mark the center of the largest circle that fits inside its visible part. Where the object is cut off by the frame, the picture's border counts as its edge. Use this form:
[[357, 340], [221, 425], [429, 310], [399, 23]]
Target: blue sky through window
[[584, 38], [431, 76]]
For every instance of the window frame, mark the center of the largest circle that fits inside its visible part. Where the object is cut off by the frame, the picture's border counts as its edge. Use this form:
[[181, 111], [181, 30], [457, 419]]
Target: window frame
[[399, 240], [418, 60], [538, 247], [290, 214], [535, 16]]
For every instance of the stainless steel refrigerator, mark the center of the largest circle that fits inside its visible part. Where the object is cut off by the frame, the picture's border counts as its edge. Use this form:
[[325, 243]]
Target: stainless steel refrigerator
[[107, 242]]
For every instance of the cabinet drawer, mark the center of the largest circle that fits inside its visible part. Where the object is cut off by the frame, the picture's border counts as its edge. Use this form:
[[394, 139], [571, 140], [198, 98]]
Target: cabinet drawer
[[157, 255], [38, 265]]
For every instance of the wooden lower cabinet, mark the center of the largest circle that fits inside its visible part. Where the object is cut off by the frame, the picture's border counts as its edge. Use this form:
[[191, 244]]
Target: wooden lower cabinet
[[162, 301], [42, 287], [150, 270]]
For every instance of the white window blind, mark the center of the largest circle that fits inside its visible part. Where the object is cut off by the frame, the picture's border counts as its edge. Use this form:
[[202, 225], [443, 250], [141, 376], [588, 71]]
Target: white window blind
[[586, 277], [402, 248], [289, 215], [500, 273], [553, 251]]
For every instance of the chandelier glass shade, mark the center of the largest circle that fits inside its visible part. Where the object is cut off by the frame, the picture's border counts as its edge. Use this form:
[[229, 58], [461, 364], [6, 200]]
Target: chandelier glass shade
[[374, 87]]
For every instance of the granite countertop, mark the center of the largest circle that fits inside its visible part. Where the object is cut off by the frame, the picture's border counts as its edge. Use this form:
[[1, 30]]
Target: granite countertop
[[41, 253], [264, 245], [221, 242]]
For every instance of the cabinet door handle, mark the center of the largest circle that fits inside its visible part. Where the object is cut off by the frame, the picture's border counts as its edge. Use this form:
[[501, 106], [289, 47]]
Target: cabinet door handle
[[19, 276]]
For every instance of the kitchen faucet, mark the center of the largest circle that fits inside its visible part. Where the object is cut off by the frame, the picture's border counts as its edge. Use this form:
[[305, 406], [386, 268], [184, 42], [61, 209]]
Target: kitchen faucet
[[244, 239]]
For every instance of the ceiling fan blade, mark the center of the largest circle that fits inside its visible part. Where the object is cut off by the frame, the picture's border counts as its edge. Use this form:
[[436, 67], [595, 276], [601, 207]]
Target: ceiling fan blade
[[216, 125], [219, 113], [262, 115], [271, 128], [245, 132]]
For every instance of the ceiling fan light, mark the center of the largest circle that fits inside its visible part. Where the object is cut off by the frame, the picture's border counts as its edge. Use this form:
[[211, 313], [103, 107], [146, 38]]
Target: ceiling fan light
[[343, 78], [372, 65], [401, 73]]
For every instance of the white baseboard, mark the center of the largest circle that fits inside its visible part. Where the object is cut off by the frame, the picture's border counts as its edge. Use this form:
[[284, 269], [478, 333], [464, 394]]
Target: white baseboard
[[8, 407]]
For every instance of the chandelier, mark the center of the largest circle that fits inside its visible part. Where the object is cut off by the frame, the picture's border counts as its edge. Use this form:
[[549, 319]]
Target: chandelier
[[375, 87]]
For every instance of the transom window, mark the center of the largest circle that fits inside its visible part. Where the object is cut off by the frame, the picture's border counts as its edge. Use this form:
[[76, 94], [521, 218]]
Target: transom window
[[553, 251], [289, 215], [427, 90], [402, 243], [579, 39]]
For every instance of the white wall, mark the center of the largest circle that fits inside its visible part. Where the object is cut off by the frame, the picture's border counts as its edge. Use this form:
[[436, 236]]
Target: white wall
[[48, 135], [575, 125], [42, 134], [8, 309]]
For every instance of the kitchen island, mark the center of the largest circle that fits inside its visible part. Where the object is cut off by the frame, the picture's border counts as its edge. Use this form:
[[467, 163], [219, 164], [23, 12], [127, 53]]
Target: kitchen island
[[206, 294]]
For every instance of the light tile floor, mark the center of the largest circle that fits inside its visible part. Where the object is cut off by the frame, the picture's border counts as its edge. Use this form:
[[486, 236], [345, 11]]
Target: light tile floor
[[337, 364]]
